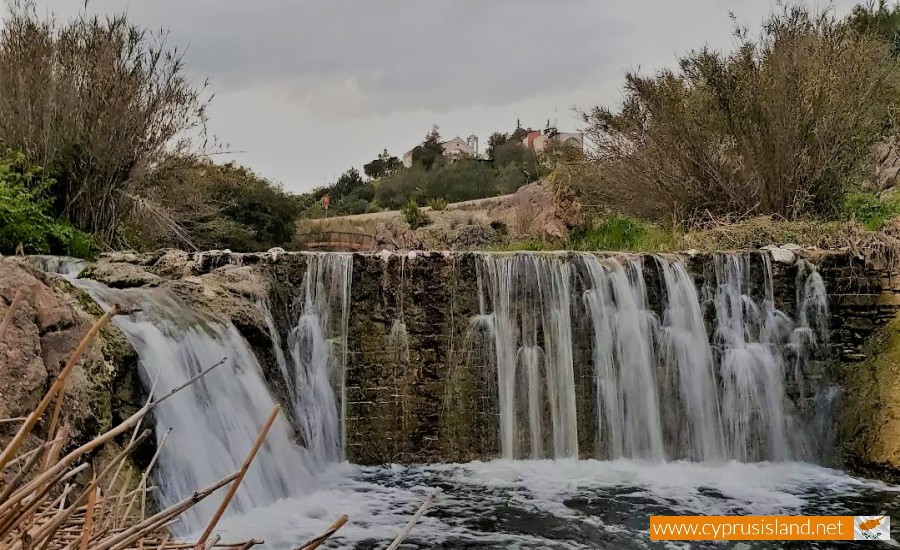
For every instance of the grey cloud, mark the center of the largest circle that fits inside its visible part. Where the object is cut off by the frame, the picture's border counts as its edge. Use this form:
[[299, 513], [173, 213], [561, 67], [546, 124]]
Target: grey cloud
[[402, 54]]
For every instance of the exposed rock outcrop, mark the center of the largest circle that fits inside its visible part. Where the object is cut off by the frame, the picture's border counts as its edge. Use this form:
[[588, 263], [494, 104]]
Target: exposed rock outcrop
[[43, 332], [871, 422]]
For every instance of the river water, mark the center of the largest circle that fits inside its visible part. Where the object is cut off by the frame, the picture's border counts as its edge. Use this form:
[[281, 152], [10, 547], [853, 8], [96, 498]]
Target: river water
[[559, 504]]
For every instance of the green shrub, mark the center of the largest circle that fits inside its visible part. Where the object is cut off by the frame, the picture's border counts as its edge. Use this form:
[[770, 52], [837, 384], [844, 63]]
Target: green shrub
[[780, 126], [870, 211], [413, 216], [437, 204], [25, 204], [622, 233], [217, 206]]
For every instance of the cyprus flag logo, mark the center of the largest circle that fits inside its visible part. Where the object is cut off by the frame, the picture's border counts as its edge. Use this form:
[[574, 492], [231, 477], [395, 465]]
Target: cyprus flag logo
[[871, 527]]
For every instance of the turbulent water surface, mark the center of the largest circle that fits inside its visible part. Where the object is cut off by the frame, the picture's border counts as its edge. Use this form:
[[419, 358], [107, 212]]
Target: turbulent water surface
[[562, 504]]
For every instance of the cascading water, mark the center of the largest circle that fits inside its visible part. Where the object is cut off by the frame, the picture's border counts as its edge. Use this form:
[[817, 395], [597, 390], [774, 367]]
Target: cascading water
[[529, 296], [664, 387], [216, 420], [671, 372], [315, 365]]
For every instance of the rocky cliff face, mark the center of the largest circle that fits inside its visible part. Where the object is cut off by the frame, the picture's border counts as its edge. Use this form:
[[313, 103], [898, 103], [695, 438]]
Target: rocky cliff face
[[42, 333]]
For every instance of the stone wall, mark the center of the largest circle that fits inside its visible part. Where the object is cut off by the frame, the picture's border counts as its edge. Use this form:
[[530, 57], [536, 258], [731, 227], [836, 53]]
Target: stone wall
[[420, 385]]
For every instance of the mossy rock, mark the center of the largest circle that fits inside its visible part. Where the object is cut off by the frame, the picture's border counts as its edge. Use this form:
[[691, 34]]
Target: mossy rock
[[871, 411]]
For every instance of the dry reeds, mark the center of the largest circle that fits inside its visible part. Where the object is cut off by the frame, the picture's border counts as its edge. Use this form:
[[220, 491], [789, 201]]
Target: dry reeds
[[43, 507], [46, 504]]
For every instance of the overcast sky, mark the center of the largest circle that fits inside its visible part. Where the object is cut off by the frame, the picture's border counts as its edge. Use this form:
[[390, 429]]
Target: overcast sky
[[304, 89]]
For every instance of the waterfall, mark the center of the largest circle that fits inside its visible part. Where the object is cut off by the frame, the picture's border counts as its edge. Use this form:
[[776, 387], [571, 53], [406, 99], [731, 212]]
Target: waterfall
[[688, 354], [624, 341], [668, 381], [215, 421], [314, 369], [529, 296]]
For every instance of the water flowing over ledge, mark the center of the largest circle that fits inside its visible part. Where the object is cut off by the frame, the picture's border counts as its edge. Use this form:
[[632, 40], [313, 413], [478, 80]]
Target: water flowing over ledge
[[447, 358]]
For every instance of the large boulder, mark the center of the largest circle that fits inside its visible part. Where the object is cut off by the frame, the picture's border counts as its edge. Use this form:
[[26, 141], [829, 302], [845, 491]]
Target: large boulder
[[540, 211], [42, 334]]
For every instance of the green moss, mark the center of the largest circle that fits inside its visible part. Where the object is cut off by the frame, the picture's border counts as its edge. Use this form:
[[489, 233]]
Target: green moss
[[870, 427]]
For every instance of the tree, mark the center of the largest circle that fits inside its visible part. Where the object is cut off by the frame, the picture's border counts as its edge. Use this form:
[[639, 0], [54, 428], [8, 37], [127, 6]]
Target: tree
[[781, 126], [496, 140], [463, 180], [100, 103], [217, 206], [348, 182], [394, 191], [430, 152], [878, 19], [384, 165]]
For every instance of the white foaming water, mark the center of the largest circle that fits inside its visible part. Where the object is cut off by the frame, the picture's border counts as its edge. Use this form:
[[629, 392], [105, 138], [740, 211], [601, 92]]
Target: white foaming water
[[216, 420], [559, 504], [664, 389], [63, 265], [687, 355], [747, 338], [529, 296], [624, 355], [315, 367]]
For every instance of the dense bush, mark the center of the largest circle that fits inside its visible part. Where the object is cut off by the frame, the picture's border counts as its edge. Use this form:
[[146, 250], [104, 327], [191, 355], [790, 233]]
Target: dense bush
[[216, 207], [26, 213], [99, 102], [414, 216], [437, 204], [871, 211], [782, 126]]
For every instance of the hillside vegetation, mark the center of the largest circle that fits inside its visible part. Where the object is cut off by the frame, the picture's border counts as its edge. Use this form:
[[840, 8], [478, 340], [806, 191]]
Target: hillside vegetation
[[104, 146], [106, 135]]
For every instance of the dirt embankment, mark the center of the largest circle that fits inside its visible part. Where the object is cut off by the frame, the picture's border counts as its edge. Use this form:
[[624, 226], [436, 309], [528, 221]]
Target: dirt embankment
[[534, 212]]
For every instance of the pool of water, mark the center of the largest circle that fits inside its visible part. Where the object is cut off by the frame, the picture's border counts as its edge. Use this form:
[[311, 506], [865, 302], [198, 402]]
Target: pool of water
[[556, 504]]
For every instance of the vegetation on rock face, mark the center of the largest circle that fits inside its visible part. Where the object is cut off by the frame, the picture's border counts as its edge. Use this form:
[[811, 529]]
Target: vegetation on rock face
[[869, 426]]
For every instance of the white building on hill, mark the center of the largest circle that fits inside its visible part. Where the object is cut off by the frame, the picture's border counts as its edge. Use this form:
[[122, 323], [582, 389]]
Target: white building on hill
[[453, 149]]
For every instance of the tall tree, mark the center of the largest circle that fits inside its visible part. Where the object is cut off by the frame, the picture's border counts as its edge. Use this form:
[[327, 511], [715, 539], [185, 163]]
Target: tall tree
[[384, 165], [496, 140], [430, 152]]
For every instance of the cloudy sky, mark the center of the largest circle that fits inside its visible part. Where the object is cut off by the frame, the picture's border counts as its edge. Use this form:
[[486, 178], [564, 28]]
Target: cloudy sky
[[304, 89]]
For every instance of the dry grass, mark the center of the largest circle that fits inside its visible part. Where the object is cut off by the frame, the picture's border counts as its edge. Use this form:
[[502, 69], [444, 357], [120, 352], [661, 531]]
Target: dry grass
[[880, 246], [763, 231]]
